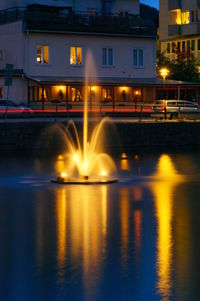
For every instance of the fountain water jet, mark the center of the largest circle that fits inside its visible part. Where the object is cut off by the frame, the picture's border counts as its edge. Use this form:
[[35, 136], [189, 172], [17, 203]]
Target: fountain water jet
[[86, 165]]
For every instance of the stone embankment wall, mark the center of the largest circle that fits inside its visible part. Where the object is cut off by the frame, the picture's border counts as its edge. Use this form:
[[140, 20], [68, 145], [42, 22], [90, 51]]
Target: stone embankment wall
[[42, 136]]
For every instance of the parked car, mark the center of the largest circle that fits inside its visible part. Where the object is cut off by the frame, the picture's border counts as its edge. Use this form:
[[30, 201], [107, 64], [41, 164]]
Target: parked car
[[173, 107], [12, 108]]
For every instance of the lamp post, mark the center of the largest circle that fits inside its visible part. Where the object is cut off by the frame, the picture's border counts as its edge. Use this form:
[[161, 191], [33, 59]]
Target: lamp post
[[164, 72]]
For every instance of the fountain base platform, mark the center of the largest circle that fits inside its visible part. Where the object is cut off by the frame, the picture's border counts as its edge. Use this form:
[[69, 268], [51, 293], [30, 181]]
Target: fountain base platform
[[82, 181]]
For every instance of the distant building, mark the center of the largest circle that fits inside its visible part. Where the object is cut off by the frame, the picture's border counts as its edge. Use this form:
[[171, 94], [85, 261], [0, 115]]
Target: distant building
[[47, 42], [180, 26]]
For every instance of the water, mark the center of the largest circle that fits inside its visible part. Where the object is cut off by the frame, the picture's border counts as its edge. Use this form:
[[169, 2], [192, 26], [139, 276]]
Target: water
[[134, 240]]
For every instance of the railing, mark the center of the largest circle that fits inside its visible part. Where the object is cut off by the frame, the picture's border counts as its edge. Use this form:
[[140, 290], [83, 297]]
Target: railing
[[62, 20], [136, 111], [98, 107], [174, 4], [85, 23], [11, 15]]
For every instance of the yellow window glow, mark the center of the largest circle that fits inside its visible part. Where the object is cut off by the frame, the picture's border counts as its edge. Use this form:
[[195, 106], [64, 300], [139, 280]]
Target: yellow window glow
[[45, 54], [79, 56], [186, 17], [42, 54], [73, 56]]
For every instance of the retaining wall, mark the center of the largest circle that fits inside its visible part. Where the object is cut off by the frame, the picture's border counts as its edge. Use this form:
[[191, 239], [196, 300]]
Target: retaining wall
[[26, 136]]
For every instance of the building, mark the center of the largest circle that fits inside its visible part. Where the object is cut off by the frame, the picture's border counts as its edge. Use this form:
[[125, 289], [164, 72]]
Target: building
[[47, 42], [180, 26]]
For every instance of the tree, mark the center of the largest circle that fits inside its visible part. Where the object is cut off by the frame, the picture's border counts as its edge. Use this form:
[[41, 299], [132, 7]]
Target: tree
[[183, 67]]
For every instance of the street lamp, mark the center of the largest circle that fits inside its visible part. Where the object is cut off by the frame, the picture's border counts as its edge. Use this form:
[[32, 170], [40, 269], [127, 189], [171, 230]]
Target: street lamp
[[164, 72]]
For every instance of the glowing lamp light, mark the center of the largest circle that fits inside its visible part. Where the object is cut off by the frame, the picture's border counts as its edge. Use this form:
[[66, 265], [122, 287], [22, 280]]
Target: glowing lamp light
[[61, 88], [124, 156], [63, 175], [104, 173], [164, 72], [60, 157], [136, 157], [38, 59], [93, 88], [76, 158]]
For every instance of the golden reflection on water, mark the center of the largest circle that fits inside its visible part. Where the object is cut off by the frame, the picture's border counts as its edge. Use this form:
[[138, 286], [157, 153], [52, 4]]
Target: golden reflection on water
[[137, 217], [61, 210], [165, 181], [124, 162], [82, 218], [124, 217], [138, 231], [59, 165]]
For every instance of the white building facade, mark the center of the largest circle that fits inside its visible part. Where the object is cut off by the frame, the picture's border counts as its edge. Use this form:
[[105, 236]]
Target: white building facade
[[48, 41]]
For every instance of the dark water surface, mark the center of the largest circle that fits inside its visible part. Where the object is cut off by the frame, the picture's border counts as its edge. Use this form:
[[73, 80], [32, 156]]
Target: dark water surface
[[138, 239]]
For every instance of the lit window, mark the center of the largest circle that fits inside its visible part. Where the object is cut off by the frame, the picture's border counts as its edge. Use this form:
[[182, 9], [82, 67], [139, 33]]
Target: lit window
[[43, 55], [76, 56], [138, 58], [178, 17], [185, 17], [107, 57]]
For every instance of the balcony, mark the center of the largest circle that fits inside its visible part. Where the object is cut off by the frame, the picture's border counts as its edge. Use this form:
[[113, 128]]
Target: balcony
[[183, 4], [190, 29], [186, 29], [62, 21], [174, 4]]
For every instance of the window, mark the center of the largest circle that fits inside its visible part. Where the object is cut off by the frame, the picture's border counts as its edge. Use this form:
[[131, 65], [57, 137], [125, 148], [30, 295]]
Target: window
[[193, 45], [194, 16], [179, 46], [76, 56], [183, 46], [138, 57], [1, 92], [107, 57], [185, 17], [168, 47], [188, 45], [1, 55], [108, 7], [43, 55], [173, 47], [198, 44]]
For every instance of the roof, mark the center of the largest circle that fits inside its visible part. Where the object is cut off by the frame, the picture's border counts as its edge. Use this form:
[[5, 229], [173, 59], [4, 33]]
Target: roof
[[109, 81], [57, 3]]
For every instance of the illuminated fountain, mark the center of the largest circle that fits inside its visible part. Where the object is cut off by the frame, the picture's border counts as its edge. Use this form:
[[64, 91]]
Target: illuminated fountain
[[83, 162]]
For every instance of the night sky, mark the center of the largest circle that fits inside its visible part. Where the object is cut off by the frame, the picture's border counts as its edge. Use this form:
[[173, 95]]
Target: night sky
[[154, 3]]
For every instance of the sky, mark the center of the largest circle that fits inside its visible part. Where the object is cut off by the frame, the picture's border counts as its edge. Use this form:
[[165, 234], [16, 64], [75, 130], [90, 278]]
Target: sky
[[154, 3]]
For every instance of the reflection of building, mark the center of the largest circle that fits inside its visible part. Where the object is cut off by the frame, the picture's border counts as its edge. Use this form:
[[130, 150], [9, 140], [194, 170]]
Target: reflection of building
[[50, 43]]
